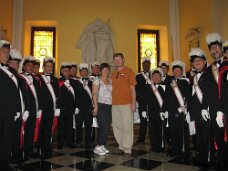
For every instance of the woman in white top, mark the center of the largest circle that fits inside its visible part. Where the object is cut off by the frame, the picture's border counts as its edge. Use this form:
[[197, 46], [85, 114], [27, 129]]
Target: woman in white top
[[102, 99]]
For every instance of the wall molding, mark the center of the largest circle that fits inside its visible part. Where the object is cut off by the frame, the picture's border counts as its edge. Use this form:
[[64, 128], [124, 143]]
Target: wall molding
[[174, 29], [17, 24]]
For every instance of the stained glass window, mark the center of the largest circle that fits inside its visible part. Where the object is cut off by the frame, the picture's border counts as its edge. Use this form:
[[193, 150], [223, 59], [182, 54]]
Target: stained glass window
[[43, 42], [148, 46]]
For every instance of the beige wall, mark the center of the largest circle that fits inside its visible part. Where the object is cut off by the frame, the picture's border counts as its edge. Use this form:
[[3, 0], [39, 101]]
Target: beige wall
[[125, 18], [194, 13], [6, 14], [72, 16], [220, 17]]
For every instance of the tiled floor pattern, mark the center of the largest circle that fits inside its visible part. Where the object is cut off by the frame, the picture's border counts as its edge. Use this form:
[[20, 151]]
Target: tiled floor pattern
[[77, 159]]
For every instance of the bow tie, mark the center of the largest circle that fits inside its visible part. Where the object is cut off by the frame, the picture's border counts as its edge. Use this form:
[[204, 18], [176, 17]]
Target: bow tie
[[95, 75], [157, 85], [28, 74], [47, 75], [198, 72], [6, 65], [85, 79], [219, 62]]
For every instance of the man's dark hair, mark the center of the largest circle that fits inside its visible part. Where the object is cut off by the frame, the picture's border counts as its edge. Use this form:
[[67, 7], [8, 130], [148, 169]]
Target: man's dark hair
[[118, 55]]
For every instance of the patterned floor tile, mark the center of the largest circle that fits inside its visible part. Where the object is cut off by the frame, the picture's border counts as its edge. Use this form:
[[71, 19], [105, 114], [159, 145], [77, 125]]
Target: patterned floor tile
[[66, 160], [142, 163], [175, 167], [85, 154], [91, 165], [40, 165], [162, 157]]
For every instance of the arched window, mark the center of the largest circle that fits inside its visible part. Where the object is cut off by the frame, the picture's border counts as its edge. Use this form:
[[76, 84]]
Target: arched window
[[148, 46], [43, 42]]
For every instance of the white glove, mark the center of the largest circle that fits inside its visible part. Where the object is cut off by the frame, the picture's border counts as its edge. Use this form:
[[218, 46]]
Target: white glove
[[17, 116], [57, 112], [76, 111], [25, 115], [182, 109], [187, 118], [219, 119], [166, 115], [205, 114], [38, 114], [144, 114], [148, 81], [162, 115]]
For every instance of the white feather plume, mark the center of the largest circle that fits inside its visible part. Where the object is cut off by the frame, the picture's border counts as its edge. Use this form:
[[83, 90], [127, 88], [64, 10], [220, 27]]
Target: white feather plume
[[178, 63], [197, 52], [3, 42], [95, 63], [29, 58], [213, 37], [64, 64], [157, 70], [73, 63], [83, 66], [48, 58], [15, 54], [181, 64], [146, 59], [225, 44], [163, 62]]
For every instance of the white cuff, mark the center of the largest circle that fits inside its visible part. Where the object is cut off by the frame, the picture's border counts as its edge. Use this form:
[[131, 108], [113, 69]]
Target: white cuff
[[38, 114], [144, 114], [17, 116], [57, 112], [76, 111], [25, 115]]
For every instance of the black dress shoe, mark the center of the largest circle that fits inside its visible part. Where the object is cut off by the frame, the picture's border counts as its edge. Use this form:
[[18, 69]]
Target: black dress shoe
[[45, 156], [8, 169], [127, 155], [78, 145], [60, 147], [139, 141], [156, 150], [118, 152], [34, 155], [72, 146], [88, 146]]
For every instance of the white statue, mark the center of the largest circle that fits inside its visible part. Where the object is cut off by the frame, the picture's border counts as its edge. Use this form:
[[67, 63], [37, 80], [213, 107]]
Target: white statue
[[96, 42]]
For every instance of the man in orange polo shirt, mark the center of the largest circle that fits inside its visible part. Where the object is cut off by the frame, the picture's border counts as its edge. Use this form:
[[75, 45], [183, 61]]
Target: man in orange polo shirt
[[124, 103]]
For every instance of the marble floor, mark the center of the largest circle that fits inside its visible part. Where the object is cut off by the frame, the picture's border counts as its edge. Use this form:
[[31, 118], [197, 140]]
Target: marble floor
[[77, 159]]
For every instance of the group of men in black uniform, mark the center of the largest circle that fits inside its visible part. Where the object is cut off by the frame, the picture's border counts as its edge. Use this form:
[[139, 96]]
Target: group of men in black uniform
[[34, 105], [188, 106]]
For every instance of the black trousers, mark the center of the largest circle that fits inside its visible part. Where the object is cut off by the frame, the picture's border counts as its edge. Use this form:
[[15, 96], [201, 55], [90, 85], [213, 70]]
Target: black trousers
[[16, 151], [29, 133], [45, 135], [180, 139], [155, 128], [223, 157], [65, 128], [142, 126], [203, 140], [167, 133], [6, 140], [104, 117], [86, 117]]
